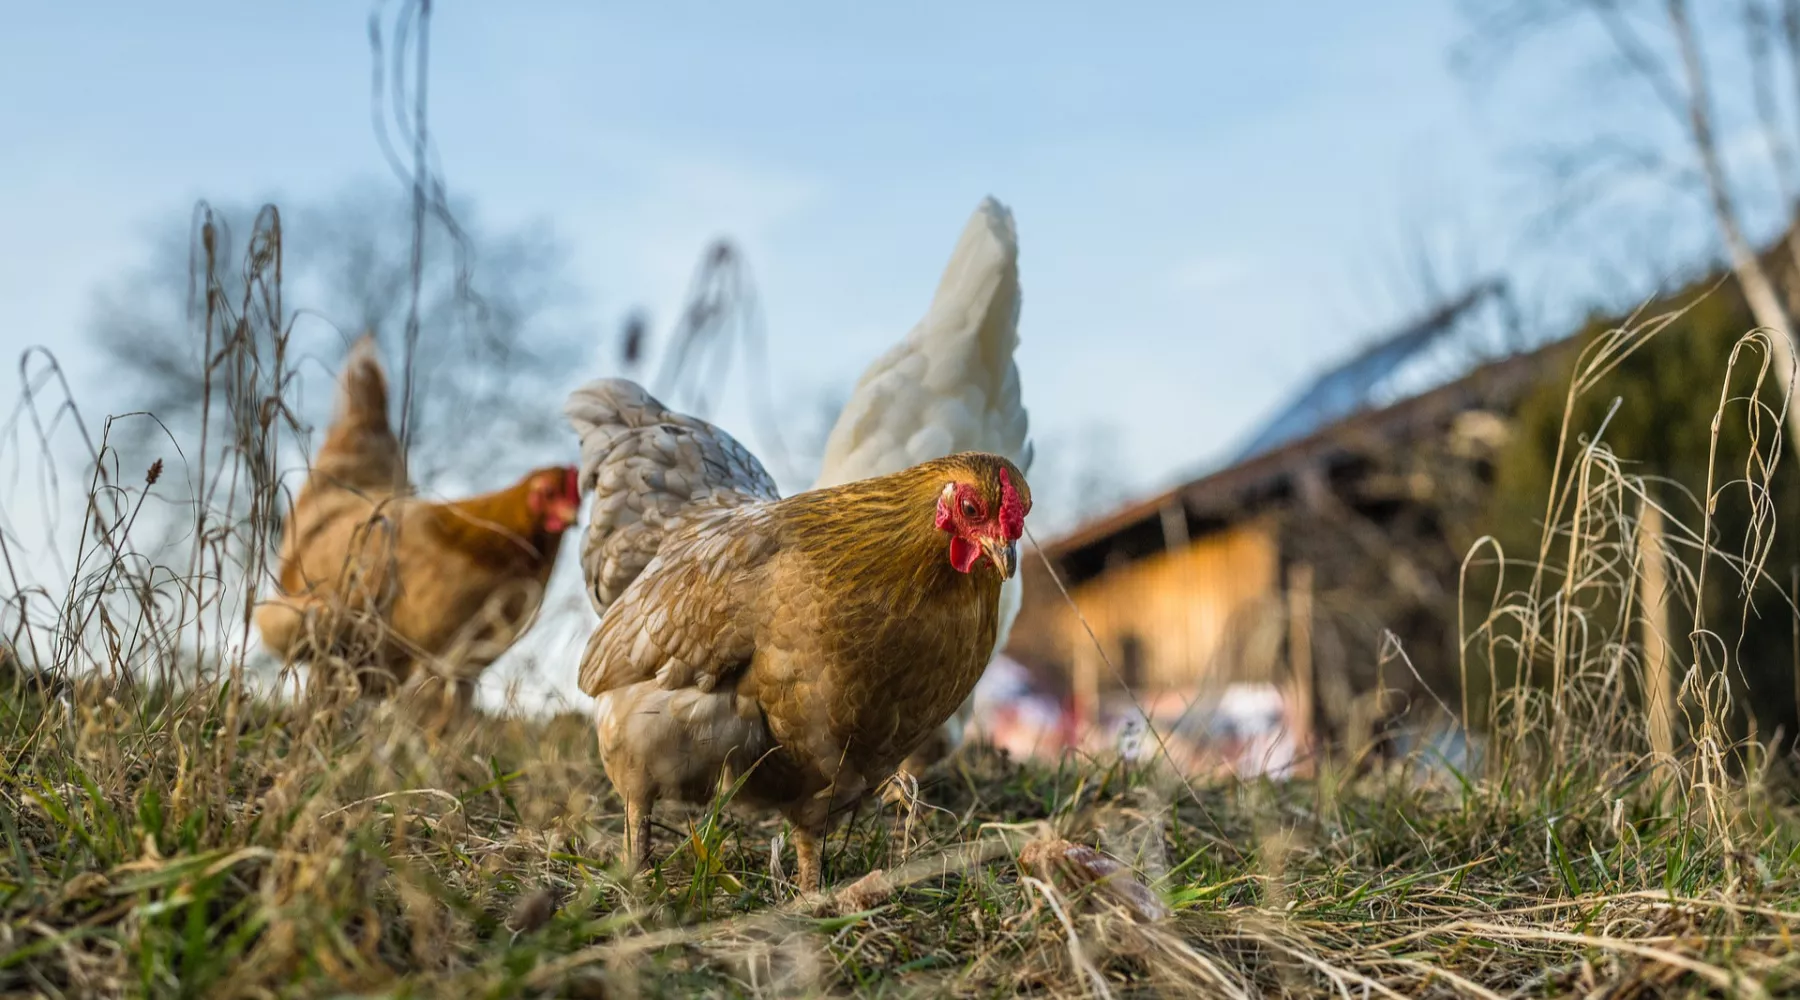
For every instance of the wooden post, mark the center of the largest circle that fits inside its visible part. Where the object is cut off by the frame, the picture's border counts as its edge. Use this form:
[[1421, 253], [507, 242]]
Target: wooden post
[[1174, 526], [1653, 595], [1086, 691], [1300, 661]]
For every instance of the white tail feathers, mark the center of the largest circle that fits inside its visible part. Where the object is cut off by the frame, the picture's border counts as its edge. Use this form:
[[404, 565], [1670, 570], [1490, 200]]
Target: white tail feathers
[[951, 384], [980, 285]]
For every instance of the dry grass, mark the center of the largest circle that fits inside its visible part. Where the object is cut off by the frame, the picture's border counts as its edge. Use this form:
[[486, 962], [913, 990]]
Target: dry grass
[[165, 830], [212, 844]]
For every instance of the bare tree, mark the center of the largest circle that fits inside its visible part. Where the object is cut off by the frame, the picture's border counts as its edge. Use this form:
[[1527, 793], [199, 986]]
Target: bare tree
[[1662, 48], [500, 338]]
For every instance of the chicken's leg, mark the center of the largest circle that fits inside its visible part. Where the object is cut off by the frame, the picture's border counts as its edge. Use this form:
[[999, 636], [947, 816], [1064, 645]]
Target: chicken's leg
[[808, 846], [438, 701], [637, 835]]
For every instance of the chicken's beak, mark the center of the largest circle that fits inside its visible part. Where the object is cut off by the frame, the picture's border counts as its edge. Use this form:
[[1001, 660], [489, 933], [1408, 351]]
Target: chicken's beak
[[1004, 553]]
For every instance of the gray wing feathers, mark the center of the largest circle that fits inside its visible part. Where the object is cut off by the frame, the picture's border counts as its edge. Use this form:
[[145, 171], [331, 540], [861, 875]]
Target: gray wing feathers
[[645, 465]]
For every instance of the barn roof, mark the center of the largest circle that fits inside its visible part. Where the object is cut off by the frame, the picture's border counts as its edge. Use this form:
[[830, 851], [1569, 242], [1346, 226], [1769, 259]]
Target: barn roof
[[1377, 374], [1240, 489]]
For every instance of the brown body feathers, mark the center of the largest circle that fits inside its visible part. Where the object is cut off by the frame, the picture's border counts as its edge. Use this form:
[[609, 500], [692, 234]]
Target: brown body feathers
[[395, 588], [809, 643]]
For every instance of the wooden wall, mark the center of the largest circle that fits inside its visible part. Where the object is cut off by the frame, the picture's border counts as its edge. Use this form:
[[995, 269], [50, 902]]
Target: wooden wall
[[1170, 621]]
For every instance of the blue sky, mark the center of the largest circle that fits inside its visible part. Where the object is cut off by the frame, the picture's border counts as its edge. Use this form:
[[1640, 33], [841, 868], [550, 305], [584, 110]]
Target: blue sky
[[1213, 200]]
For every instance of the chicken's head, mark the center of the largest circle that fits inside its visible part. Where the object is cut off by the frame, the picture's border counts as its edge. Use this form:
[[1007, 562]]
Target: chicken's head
[[555, 497], [984, 514]]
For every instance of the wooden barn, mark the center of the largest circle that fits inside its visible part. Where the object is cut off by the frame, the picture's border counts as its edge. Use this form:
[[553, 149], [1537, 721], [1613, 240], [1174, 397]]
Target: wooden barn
[[1292, 566]]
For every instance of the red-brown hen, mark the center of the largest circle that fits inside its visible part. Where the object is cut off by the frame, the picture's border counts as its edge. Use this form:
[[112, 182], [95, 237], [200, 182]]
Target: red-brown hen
[[399, 589]]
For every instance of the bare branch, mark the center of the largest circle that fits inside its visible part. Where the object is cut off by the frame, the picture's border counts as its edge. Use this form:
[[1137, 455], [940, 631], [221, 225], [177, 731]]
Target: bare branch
[[1758, 27], [482, 374], [1759, 291], [1790, 33], [1698, 112], [1639, 56]]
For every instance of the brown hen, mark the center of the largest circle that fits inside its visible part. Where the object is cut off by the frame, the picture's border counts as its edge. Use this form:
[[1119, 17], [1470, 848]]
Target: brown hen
[[804, 646], [401, 590]]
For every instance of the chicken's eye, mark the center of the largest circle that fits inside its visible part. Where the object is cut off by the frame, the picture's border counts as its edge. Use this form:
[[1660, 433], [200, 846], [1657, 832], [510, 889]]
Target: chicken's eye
[[969, 509]]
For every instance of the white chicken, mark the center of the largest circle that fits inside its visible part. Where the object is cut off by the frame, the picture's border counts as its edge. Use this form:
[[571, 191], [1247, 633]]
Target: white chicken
[[950, 386]]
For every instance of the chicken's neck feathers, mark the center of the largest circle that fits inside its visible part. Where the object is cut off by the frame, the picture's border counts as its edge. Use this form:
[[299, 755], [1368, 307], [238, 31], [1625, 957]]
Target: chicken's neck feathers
[[499, 526], [876, 538]]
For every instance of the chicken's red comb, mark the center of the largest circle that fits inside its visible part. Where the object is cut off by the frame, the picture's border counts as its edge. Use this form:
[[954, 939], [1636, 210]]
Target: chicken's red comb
[[572, 483], [1012, 508]]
